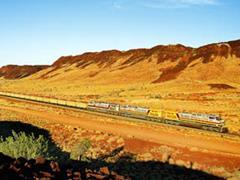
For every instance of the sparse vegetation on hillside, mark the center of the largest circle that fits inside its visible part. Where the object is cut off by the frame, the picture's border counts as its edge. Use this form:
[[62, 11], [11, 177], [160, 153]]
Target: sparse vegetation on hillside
[[79, 150], [27, 146]]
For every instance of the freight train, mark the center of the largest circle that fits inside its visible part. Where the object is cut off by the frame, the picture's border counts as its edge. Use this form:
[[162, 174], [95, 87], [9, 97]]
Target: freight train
[[197, 120]]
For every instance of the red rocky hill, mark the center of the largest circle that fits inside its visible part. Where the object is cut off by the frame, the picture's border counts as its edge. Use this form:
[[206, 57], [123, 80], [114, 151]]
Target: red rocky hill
[[17, 72]]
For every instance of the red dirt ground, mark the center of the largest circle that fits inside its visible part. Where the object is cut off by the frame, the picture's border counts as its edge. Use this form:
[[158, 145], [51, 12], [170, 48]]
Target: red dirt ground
[[204, 150]]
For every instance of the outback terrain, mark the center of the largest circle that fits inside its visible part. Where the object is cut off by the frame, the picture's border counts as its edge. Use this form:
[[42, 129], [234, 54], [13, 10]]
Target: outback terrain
[[173, 77]]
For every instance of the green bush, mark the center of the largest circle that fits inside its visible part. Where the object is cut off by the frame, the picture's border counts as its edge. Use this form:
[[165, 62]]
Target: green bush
[[79, 150], [27, 146]]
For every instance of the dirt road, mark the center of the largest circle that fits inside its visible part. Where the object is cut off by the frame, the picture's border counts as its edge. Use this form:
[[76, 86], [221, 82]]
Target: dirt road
[[174, 138]]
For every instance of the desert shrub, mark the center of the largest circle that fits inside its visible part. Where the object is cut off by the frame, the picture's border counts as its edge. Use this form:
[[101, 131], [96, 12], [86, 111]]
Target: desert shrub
[[27, 146], [79, 150]]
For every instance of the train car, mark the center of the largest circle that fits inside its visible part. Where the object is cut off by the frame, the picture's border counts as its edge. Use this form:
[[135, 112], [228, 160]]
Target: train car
[[134, 109], [45, 99], [27, 97], [61, 102], [114, 107], [81, 105], [170, 115], [98, 105], [39, 99], [53, 101], [16, 95], [71, 103], [203, 121], [155, 113], [21, 96], [203, 118], [32, 98]]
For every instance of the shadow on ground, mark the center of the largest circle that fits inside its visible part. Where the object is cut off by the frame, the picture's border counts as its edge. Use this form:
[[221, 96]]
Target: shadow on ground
[[6, 128], [126, 167]]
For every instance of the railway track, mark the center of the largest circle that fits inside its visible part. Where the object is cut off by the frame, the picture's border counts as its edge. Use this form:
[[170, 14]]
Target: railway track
[[122, 116]]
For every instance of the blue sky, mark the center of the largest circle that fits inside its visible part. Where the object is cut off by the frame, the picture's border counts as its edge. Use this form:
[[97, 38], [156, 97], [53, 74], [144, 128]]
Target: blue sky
[[40, 31]]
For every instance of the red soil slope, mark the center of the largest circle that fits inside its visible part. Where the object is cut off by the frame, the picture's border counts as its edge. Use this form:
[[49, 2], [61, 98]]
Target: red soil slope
[[166, 62], [18, 72]]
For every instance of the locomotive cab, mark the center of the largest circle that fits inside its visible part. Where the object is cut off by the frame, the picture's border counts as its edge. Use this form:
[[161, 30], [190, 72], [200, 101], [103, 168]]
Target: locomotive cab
[[216, 118]]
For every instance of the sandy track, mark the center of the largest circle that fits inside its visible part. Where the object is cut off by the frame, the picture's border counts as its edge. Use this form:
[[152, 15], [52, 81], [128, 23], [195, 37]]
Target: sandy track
[[144, 133]]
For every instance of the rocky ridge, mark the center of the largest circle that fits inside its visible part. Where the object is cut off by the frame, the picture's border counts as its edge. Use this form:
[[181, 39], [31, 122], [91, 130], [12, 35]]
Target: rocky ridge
[[159, 64]]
